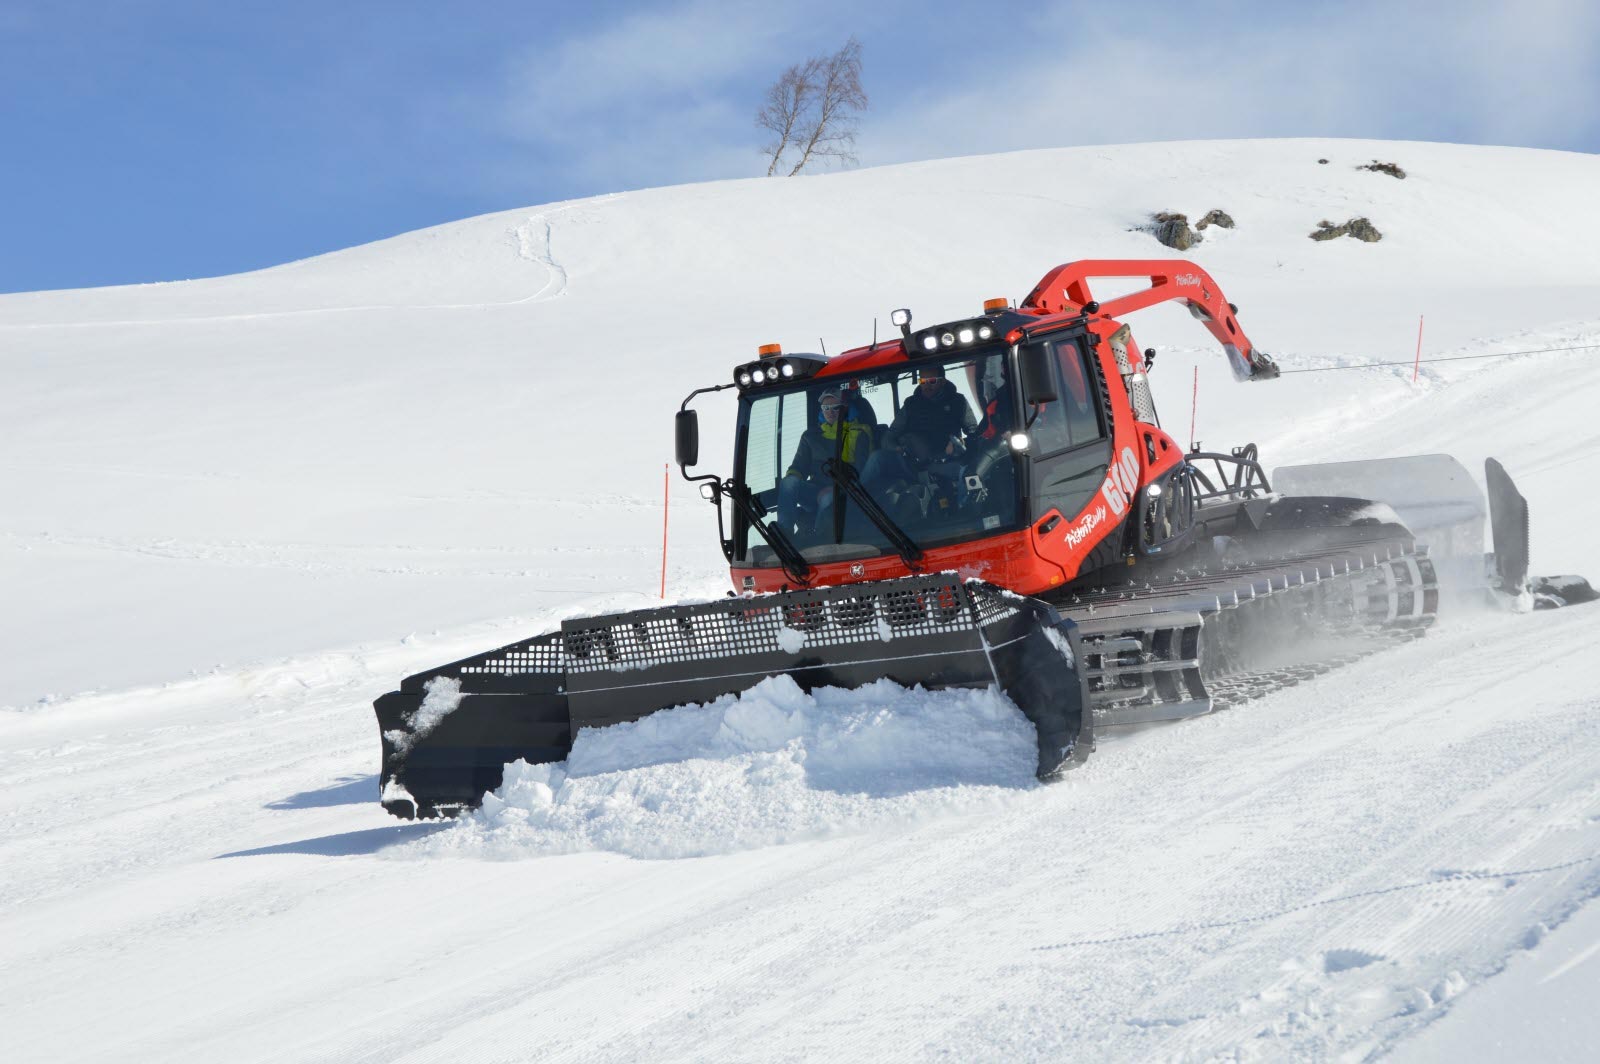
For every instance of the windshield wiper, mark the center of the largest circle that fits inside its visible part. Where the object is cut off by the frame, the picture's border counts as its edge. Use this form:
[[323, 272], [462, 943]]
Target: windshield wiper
[[845, 477], [781, 544]]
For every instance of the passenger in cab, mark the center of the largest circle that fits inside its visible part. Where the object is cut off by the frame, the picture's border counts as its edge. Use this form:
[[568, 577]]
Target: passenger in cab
[[998, 414], [805, 494]]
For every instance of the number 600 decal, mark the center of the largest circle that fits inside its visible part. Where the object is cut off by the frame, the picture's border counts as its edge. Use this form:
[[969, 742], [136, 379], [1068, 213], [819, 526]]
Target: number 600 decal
[[1122, 481]]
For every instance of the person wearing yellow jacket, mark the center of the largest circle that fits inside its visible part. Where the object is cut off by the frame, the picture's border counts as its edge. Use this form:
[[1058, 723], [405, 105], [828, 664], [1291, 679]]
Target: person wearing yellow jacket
[[805, 495]]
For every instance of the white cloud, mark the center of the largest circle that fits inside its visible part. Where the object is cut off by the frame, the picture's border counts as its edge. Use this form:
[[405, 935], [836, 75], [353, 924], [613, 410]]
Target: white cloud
[[630, 62], [656, 97], [1481, 72], [657, 93]]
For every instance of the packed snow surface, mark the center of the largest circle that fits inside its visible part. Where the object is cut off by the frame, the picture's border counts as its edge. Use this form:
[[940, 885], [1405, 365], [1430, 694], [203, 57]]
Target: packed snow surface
[[245, 507]]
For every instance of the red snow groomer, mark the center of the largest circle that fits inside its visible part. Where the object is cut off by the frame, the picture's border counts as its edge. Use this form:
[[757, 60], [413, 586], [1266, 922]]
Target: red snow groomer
[[992, 501]]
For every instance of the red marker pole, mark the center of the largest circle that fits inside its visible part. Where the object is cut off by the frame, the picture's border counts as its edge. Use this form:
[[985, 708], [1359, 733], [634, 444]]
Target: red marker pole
[[666, 484], [1194, 405], [1418, 362]]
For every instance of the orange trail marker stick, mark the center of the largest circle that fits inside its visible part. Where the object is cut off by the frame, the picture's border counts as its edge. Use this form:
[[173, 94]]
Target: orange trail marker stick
[[1418, 362], [666, 484]]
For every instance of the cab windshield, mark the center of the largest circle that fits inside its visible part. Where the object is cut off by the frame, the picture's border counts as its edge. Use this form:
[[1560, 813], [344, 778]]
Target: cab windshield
[[928, 444]]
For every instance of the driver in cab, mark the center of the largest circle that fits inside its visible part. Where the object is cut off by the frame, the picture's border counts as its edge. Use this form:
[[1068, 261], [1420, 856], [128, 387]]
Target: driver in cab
[[929, 424]]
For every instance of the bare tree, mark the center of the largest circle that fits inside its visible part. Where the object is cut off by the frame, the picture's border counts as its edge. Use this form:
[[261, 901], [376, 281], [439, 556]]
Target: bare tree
[[788, 100], [812, 110]]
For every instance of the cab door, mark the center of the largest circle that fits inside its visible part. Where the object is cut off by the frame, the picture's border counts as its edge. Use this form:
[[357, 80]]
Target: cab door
[[1069, 439]]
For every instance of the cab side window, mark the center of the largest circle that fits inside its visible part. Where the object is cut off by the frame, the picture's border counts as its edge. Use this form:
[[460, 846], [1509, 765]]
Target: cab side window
[[1074, 418], [1078, 394]]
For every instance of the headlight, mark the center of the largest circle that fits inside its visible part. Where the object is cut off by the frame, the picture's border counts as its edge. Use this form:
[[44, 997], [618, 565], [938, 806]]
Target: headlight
[[708, 490], [929, 343], [965, 336], [947, 339], [744, 378], [1019, 441], [1154, 491], [786, 368], [759, 376], [984, 332]]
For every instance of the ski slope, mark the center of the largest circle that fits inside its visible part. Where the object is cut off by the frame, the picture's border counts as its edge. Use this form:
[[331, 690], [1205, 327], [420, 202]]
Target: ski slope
[[243, 507]]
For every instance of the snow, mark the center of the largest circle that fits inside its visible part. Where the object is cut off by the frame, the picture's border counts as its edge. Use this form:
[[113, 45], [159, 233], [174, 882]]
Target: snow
[[774, 765], [791, 640], [245, 507], [1063, 647], [441, 697], [1541, 1007]]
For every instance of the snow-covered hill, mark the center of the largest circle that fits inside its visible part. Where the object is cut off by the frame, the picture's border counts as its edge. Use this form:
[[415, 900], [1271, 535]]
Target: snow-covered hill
[[243, 507]]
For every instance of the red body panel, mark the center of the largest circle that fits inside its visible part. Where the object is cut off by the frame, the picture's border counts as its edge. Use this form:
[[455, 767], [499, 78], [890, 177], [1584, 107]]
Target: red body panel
[[1010, 560], [862, 359], [1066, 288]]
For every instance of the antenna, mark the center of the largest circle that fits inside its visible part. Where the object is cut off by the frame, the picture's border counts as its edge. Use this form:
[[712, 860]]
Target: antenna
[[874, 334], [824, 345]]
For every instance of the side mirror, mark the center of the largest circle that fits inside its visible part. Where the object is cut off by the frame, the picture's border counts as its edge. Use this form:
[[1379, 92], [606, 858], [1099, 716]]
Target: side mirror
[[687, 430], [1037, 384]]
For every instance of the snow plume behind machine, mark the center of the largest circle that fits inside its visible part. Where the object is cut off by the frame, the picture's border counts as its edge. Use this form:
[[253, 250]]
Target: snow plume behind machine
[[992, 502]]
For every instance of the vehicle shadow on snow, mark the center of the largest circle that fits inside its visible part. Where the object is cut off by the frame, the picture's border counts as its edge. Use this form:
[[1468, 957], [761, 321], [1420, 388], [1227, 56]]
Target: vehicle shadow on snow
[[346, 843], [349, 790]]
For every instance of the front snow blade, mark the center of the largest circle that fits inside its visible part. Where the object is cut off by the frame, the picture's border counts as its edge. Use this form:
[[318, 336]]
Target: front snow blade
[[448, 733]]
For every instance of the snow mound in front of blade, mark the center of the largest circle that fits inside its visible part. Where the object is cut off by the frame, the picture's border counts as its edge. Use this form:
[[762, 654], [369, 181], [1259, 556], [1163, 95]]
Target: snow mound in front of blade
[[769, 766]]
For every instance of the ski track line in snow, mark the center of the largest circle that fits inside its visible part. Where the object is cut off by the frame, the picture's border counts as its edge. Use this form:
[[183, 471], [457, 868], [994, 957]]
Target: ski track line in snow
[[589, 501], [556, 279], [1443, 880], [276, 556]]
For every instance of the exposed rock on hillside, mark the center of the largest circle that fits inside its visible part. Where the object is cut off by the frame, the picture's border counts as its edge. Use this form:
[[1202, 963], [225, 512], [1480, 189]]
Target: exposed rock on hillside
[[1172, 229], [1360, 228], [1384, 168]]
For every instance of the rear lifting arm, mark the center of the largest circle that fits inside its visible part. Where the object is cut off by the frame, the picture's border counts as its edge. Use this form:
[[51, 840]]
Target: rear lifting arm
[[1066, 289]]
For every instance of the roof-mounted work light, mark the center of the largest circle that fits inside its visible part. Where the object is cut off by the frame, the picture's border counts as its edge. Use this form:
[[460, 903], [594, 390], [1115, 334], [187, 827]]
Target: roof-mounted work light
[[777, 368], [956, 334]]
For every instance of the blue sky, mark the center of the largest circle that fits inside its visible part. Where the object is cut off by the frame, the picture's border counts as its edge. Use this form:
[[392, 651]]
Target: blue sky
[[145, 141]]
